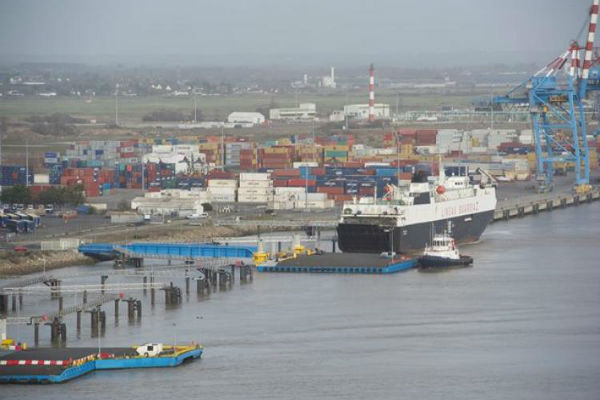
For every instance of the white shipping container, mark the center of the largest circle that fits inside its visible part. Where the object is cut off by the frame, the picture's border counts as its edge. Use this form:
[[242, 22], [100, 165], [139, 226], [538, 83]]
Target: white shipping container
[[221, 190], [254, 176], [222, 198], [299, 164], [51, 160], [232, 183], [253, 199], [253, 191], [293, 190], [317, 196], [41, 179], [260, 184]]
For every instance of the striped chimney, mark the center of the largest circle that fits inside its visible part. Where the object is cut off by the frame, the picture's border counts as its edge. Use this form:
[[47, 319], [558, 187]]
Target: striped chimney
[[372, 93], [589, 47]]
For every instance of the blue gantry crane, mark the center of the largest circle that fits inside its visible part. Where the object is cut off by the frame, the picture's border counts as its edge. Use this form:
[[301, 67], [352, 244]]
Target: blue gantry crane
[[555, 103]]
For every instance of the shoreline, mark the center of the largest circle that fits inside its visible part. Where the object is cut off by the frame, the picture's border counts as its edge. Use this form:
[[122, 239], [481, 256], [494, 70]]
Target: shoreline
[[18, 264]]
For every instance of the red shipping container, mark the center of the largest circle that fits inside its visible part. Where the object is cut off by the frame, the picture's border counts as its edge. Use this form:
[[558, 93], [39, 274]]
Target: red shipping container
[[366, 191], [354, 164], [317, 171], [300, 182], [330, 189], [280, 182], [286, 172]]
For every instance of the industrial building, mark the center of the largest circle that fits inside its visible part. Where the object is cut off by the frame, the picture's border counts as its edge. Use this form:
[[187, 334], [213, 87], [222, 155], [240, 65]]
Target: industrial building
[[305, 111], [328, 81], [240, 117], [361, 111]]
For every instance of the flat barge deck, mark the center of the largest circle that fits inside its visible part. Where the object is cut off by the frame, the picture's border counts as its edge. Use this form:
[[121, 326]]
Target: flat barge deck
[[56, 365], [341, 263]]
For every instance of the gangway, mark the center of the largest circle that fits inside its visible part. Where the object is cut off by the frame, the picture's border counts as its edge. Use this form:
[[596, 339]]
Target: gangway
[[168, 250]]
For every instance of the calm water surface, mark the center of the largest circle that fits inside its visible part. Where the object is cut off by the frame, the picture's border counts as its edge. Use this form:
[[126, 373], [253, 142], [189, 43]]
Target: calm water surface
[[523, 323]]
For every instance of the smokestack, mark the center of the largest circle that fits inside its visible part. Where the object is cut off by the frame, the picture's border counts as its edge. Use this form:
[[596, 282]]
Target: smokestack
[[332, 75], [371, 93]]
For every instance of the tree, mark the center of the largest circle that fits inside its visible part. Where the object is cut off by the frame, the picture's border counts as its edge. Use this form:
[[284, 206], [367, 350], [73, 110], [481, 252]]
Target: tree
[[53, 195], [18, 194], [123, 205], [74, 195]]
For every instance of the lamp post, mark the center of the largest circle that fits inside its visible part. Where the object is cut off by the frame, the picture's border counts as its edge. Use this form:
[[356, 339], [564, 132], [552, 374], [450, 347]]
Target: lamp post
[[117, 104]]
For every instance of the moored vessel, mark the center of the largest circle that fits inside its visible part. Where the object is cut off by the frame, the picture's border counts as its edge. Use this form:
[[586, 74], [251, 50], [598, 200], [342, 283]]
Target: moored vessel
[[402, 220], [443, 252]]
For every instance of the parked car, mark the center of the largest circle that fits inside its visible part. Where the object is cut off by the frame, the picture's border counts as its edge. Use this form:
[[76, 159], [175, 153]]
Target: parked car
[[198, 216], [20, 249]]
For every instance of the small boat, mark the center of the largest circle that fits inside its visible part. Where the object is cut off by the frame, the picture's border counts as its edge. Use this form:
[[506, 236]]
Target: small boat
[[443, 252]]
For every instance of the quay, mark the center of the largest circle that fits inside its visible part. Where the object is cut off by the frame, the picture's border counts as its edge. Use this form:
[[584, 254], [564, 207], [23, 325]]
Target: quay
[[340, 263], [532, 205], [57, 365]]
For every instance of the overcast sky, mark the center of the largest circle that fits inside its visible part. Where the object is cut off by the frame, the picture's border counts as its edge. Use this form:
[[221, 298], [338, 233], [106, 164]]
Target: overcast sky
[[405, 32]]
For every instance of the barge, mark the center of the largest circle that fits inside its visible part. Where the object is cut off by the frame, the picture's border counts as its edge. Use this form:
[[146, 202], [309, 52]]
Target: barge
[[57, 365], [341, 263]]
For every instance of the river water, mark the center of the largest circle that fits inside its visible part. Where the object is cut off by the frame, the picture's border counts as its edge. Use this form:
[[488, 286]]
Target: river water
[[522, 323]]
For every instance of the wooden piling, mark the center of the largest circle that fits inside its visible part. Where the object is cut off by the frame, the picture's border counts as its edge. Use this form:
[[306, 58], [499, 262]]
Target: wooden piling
[[36, 334]]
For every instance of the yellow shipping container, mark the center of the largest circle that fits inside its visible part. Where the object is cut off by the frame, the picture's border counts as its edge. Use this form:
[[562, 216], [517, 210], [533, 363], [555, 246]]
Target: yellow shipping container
[[209, 146], [406, 149], [338, 147], [276, 150]]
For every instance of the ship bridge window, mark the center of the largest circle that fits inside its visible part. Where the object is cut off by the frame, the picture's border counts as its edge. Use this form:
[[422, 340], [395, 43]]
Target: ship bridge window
[[422, 198]]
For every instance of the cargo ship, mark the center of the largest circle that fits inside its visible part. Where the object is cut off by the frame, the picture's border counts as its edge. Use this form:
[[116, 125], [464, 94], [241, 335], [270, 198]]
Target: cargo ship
[[405, 218]]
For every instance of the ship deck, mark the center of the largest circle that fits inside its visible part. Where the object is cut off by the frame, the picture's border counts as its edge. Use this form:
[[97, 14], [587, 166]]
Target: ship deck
[[53, 354], [349, 263]]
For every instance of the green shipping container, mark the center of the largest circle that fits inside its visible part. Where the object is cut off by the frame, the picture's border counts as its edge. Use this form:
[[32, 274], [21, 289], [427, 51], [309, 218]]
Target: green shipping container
[[335, 153]]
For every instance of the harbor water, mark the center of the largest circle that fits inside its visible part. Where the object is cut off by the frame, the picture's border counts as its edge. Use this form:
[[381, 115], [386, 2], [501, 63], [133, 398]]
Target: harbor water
[[522, 323]]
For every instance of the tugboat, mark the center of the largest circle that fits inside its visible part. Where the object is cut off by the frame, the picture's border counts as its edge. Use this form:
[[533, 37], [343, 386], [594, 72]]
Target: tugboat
[[443, 253]]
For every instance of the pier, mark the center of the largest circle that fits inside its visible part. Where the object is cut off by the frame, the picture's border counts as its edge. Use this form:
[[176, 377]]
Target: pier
[[532, 205]]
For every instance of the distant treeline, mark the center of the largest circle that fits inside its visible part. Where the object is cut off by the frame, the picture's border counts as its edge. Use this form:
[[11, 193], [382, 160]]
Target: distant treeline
[[172, 116], [55, 124]]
